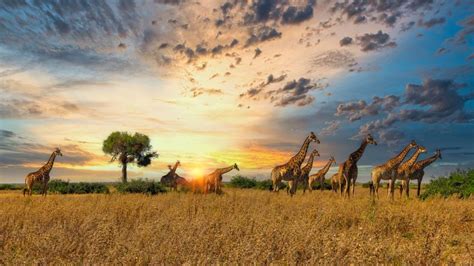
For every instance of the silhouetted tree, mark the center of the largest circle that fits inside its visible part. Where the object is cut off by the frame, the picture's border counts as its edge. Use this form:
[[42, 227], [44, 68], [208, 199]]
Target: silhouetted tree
[[126, 148]]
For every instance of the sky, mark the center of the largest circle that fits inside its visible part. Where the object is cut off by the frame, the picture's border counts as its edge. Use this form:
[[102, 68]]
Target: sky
[[214, 83]]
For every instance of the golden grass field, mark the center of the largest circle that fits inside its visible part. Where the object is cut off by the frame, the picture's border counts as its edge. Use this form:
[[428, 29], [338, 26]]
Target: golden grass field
[[242, 226]]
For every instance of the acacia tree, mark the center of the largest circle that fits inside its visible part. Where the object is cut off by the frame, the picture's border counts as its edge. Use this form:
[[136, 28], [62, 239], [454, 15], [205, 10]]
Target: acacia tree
[[126, 148]]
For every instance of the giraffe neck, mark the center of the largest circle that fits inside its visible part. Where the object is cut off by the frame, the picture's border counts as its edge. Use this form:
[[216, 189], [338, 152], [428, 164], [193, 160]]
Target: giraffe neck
[[307, 168], [225, 170], [399, 158], [299, 157], [355, 156], [325, 169], [413, 159], [173, 170], [424, 163], [49, 165]]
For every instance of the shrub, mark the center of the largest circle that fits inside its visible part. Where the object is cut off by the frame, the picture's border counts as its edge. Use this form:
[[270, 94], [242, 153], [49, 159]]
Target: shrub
[[58, 186], [10, 187], [267, 184], [144, 186], [460, 183], [239, 181], [326, 185]]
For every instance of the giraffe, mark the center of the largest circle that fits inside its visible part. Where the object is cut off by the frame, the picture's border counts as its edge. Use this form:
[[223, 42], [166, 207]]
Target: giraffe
[[170, 178], [42, 175], [291, 169], [304, 175], [319, 176], [403, 171], [334, 182], [417, 172], [348, 170], [213, 180], [386, 171]]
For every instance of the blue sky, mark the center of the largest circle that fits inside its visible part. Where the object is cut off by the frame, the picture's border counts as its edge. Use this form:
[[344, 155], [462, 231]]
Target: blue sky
[[218, 82]]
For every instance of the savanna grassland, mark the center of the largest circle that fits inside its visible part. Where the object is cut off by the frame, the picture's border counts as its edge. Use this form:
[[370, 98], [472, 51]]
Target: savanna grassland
[[241, 226]]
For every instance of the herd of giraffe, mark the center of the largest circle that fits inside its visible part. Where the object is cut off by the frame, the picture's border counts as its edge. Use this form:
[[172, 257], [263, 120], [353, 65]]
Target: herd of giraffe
[[292, 172]]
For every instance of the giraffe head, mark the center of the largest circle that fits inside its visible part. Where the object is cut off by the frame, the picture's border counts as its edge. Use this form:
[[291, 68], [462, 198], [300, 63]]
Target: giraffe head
[[315, 153], [178, 163], [57, 151], [170, 167], [332, 160], [313, 137], [421, 149], [369, 139], [412, 144], [438, 153], [236, 167]]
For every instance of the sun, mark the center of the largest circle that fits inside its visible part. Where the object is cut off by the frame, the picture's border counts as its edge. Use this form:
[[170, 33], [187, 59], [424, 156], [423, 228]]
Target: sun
[[197, 173]]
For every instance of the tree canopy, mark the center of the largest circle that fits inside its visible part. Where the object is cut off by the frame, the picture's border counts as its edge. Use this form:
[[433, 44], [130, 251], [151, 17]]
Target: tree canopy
[[126, 148]]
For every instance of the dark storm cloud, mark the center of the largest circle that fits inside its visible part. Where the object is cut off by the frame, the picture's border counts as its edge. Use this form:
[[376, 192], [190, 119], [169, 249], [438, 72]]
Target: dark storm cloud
[[345, 41], [374, 41], [262, 34], [430, 23], [434, 101]]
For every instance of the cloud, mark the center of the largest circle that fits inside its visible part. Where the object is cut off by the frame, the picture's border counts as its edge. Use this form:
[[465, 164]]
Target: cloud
[[262, 34], [333, 59], [434, 101], [294, 15], [195, 92], [375, 41], [294, 92], [431, 23], [345, 41], [253, 93], [467, 30], [331, 128]]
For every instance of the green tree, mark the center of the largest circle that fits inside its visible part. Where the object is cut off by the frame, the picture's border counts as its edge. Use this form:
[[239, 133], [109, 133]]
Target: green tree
[[126, 148]]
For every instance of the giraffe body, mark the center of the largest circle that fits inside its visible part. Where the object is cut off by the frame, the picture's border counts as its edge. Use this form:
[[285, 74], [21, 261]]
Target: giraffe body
[[319, 176], [41, 175], [291, 170], [387, 170], [303, 178], [348, 170], [417, 172], [213, 181], [170, 179], [404, 170]]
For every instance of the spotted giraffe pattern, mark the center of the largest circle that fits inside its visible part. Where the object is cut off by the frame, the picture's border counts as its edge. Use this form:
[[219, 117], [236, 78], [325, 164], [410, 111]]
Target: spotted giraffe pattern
[[417, 172], [348, 170], [305, 170], [213, 181], [291, 170], [41, 175], [386, 171], [403, 171], [319, 176]]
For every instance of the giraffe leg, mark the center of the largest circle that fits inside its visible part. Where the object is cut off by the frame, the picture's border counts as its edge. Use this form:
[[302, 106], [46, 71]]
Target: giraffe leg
[[310, 186], [45, 188], [418, 188], [407, 188], [353, 186]]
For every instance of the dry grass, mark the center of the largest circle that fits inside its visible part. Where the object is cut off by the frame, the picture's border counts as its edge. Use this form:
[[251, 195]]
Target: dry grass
[[242, 226]]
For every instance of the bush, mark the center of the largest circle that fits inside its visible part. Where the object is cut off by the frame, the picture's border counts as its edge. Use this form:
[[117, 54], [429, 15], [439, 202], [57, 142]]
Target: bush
[[267, 184], [58, 186], [10, 187], [144, 186], [460, 183], [239, 181], [326, 185]]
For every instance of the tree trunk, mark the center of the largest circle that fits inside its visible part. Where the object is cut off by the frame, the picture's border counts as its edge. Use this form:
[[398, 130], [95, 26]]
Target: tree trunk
[[124, 172]]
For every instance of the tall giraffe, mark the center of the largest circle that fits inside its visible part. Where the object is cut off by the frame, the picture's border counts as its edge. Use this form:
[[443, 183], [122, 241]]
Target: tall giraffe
[[386, 171], [41, 175], [291, 169], [170, 178], [403, 171], [293, 184], [348, 170], [319, 176], [213, 180], [417, 172]]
